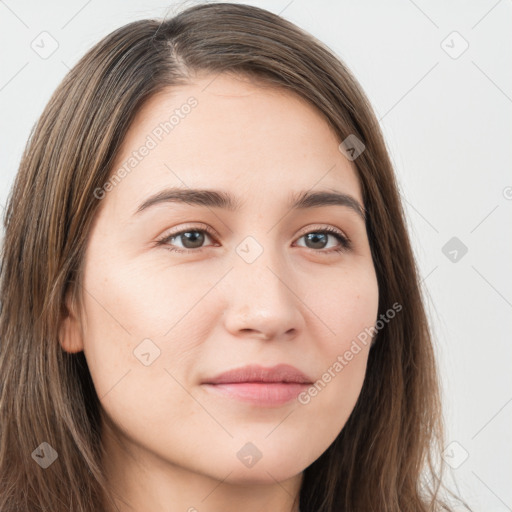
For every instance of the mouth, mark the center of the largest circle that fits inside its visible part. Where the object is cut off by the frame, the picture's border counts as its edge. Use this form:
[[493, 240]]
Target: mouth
[[266, 387]]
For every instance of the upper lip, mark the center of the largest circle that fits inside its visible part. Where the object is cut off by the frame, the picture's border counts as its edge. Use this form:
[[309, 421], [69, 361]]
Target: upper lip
[[256, 373]]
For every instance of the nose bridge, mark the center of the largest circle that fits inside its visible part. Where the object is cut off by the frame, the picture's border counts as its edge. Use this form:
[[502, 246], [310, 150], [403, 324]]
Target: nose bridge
[[260, 267], [260, 296]]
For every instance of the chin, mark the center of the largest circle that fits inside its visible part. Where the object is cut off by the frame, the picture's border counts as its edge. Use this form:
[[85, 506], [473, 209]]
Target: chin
[[263, 475]]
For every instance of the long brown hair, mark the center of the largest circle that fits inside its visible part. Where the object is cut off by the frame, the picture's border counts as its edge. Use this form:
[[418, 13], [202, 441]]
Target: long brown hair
[[385, 458]]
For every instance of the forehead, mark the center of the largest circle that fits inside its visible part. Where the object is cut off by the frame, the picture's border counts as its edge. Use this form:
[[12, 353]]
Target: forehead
[[228, 132]]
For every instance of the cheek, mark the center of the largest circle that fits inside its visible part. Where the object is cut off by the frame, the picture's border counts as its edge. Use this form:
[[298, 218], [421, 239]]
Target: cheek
[[137, 373], [348, 310], [347, 306], [141, 339], [128, 302], [128, 314]]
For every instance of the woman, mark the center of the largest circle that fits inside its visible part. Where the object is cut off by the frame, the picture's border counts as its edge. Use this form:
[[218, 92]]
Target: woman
[[209, 298]]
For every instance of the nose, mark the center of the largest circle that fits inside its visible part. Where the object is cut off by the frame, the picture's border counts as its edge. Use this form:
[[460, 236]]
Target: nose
[[261, 300]]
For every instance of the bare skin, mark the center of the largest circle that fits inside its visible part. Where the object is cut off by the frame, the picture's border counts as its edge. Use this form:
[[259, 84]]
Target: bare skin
[[209, 310]]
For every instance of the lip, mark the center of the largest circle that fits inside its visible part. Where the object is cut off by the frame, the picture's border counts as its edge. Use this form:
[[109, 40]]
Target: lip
[[259, 385]]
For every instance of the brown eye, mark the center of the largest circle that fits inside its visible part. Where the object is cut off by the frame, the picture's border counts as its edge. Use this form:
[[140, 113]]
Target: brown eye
[[318, 240], [191, 239], [188, 239]]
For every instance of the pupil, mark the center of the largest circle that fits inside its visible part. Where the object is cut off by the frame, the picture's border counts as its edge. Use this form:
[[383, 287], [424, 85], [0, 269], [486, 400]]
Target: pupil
[[315, 236], [196, 237]]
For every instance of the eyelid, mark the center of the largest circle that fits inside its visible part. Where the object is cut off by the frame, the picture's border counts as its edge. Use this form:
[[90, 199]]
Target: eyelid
[[187, 227], [323, 227]]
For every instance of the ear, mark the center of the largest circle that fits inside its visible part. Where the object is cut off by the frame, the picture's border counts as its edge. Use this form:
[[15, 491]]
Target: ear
[[70, 333]]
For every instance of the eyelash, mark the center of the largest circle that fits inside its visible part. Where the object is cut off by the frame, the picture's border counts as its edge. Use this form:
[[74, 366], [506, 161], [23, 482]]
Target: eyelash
[[345, 243]]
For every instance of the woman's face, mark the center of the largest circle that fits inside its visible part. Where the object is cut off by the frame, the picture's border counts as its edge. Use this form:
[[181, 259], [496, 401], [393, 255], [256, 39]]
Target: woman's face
[[258, 283]]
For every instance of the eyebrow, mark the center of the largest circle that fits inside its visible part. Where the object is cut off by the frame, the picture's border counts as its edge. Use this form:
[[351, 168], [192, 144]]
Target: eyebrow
[[219, 199]]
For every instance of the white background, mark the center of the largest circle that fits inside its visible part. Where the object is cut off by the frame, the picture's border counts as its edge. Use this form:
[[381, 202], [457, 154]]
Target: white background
[[448, 126]]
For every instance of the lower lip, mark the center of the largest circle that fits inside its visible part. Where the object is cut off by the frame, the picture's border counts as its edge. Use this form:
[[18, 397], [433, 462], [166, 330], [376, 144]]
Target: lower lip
[[260, 393]]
